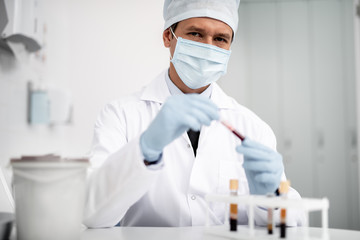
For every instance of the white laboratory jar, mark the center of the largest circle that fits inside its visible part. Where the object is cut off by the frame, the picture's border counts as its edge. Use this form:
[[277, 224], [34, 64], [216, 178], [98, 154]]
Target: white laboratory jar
[[49, 197]]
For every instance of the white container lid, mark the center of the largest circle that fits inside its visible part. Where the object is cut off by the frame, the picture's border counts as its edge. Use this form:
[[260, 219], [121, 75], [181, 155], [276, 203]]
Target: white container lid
[[49, 160]]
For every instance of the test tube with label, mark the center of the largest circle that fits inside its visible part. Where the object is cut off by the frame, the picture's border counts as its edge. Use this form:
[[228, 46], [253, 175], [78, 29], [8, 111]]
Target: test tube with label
[[284, 189], [270, 224], [234, 186]]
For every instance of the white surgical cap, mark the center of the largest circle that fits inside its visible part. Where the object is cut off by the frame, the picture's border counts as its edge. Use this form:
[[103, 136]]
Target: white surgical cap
[[223, 10]]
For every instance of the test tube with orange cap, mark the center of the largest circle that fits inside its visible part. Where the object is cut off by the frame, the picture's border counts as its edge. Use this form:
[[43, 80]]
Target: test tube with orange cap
[[234, 186], [283, 189]]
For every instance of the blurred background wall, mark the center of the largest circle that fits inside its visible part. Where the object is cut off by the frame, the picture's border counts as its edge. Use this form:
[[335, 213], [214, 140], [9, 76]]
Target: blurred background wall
[[293, 63]]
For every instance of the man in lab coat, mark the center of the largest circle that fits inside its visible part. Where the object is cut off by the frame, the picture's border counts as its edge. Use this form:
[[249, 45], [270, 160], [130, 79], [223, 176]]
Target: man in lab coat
[[157, 154]]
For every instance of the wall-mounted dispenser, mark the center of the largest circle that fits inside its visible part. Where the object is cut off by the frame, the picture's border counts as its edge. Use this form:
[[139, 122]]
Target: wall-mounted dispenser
[[21, 22], [49, 106]]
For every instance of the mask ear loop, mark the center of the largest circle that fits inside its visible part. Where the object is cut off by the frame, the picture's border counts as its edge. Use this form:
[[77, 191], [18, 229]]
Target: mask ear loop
[[174, 37], [173, 33]]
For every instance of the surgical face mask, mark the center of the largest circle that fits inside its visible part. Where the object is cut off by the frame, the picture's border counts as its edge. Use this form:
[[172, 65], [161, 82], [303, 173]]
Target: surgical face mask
[[199, 64]]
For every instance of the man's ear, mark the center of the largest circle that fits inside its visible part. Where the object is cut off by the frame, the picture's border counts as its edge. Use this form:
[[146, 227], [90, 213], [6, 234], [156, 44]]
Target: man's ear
[[167, 37]]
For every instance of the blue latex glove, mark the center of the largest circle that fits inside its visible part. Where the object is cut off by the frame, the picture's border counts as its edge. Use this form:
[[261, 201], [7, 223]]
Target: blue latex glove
[[178, 115], [263, 167]]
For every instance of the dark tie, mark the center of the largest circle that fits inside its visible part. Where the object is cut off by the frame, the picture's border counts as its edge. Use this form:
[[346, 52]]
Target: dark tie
[[194, 139]]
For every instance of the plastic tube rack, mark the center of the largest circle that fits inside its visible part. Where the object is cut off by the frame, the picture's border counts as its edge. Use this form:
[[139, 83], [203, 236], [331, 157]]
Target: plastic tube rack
[[305, 204]]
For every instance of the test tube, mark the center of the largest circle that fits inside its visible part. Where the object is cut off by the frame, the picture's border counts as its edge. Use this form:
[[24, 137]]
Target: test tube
[[283, 189], [234, 186], [270, 224]]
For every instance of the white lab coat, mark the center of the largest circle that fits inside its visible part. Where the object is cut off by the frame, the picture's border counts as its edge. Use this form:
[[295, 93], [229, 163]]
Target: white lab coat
[[121, 188]]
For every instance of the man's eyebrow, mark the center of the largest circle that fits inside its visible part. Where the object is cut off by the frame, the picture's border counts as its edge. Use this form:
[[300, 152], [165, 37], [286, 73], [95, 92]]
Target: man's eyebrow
[[194, 28]]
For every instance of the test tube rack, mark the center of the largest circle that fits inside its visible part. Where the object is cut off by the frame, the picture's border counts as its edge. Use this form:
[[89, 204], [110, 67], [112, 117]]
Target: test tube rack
[[305, 204]]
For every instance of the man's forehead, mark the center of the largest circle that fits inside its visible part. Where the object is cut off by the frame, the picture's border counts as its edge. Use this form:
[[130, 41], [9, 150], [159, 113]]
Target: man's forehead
[[205, 23]]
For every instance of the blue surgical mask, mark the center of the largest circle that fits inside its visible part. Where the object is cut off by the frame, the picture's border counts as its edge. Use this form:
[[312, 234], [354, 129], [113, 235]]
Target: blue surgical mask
[[199, 64]]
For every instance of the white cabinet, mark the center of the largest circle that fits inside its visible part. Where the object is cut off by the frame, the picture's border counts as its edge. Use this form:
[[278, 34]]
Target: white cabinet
[[295, 59]]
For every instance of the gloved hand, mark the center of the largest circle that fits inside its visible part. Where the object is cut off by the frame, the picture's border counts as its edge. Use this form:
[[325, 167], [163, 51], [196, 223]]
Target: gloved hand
[[178, 114], [263, 167]]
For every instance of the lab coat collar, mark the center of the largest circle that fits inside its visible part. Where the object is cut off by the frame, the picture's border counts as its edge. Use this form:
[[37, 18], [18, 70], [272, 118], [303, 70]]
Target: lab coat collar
[[174, 90], [158, 91], [221, 99]]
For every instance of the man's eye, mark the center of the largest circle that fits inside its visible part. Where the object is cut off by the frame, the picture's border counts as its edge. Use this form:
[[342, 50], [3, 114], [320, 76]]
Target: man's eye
[[195, 34], [219, 39]]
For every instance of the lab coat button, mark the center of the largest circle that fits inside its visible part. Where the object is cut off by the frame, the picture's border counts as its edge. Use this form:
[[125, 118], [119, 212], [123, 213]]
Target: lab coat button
[[193, 197], [189, 146]]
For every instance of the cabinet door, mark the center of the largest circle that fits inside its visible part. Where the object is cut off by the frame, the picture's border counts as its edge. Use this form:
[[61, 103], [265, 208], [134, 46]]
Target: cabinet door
[[295, 133], [328, 108]]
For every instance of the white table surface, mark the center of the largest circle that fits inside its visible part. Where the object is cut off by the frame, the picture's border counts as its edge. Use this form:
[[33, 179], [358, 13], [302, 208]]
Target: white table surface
[[192, 233]]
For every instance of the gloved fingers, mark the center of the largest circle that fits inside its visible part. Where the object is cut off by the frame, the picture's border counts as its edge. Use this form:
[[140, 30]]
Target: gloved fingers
[[208, 108], [256, 154], [191, 104], [253, 144], [191, 122], [194, 119], [268, 178], [262, 166], [202, 117]]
